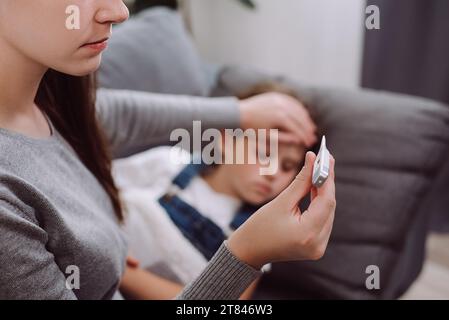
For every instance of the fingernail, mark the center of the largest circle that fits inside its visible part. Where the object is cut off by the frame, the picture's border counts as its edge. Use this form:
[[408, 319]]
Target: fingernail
[[308, 155]]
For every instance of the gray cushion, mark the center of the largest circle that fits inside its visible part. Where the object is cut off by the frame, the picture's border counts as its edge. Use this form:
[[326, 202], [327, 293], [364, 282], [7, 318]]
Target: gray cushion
[[388, 149], [153, 52]]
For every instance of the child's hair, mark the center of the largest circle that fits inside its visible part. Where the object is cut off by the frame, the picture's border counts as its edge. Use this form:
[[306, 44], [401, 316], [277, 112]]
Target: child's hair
[[265, 87]]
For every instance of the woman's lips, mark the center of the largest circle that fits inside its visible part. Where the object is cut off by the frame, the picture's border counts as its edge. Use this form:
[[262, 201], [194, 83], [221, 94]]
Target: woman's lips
[[97, 46]]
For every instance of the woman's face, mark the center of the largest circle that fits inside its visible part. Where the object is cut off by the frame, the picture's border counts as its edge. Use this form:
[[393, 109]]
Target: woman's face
[[42, 31]]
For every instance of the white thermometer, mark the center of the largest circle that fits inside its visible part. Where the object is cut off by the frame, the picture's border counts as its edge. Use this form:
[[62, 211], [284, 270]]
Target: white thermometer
[[321, 165]]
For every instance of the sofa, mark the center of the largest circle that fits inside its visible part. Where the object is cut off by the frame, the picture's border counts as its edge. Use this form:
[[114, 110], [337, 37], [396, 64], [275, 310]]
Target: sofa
[[391, 153]]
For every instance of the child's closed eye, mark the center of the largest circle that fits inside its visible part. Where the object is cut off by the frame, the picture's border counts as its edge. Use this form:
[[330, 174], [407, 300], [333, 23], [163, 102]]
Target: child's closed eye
[[288, 166]]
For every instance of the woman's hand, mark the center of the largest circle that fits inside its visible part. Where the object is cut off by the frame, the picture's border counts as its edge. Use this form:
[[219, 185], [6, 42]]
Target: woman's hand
[[132, 262], [280, 232], [279, 111]]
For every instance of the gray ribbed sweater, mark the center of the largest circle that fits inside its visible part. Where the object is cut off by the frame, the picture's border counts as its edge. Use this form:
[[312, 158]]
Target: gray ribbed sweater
[[56, 220]]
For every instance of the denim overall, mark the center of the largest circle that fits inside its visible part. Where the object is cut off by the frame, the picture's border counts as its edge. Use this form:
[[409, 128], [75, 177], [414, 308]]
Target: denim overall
[[202, 232]]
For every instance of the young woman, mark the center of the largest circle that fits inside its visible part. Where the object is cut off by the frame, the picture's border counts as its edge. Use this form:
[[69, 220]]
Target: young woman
[[59, 208]]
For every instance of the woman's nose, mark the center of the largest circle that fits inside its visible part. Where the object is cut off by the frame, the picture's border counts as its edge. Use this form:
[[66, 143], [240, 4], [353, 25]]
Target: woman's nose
[[112, 11]]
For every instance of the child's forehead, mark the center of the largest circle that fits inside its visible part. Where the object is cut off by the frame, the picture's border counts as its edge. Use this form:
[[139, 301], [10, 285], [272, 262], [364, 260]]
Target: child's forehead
[[291, 150]]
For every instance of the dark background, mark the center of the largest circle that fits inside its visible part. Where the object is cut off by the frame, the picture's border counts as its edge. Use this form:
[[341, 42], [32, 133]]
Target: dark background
[[410, 52]]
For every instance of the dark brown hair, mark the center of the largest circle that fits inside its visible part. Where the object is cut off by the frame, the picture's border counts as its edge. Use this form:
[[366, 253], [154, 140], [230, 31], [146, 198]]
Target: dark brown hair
[[69, 103]]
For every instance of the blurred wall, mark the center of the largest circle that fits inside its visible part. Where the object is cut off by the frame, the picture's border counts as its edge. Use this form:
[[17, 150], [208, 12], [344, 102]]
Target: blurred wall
[[317, 41]]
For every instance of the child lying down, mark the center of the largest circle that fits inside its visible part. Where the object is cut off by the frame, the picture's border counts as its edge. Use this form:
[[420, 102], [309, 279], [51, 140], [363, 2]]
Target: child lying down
[[178, 215]]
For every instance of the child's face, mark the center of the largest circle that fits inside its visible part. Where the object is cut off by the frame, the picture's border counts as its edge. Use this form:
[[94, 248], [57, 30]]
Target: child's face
[[250, 186]]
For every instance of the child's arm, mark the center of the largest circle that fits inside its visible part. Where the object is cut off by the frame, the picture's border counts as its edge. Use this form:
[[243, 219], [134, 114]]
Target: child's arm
[[139, 284]]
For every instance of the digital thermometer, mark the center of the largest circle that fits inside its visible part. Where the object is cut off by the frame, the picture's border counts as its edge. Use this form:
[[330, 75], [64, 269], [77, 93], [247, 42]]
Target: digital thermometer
[[321, 165]]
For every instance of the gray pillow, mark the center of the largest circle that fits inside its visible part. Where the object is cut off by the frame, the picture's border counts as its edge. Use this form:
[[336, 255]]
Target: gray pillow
[[153, 52], [388, 149]]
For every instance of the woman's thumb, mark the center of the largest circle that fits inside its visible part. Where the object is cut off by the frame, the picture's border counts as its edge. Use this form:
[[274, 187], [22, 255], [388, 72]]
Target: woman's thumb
[[302, 183]]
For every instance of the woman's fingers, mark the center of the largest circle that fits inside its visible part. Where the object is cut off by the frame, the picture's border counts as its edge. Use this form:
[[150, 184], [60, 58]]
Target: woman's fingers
[[301, 185], [302, 119], [290, 126], [276, 110], [287, 137], [327, 229], [313, 193], [132, 262]]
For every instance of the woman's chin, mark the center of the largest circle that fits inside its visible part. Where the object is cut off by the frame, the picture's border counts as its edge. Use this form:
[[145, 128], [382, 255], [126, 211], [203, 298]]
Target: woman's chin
[[83, 68]]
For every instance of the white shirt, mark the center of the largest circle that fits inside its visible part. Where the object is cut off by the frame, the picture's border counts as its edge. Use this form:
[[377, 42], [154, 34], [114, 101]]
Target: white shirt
[[153, 238]]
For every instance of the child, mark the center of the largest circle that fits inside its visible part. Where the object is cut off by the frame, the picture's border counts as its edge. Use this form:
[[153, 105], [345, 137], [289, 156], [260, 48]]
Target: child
[[176, 224]]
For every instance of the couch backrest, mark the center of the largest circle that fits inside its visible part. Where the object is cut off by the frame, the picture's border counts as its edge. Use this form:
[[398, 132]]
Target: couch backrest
[[153, 52], [389, 149]]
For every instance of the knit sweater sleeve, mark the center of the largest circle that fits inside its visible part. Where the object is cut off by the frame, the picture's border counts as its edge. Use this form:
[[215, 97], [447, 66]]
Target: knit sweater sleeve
[[133, 119], [28, 269], [224, 278]]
